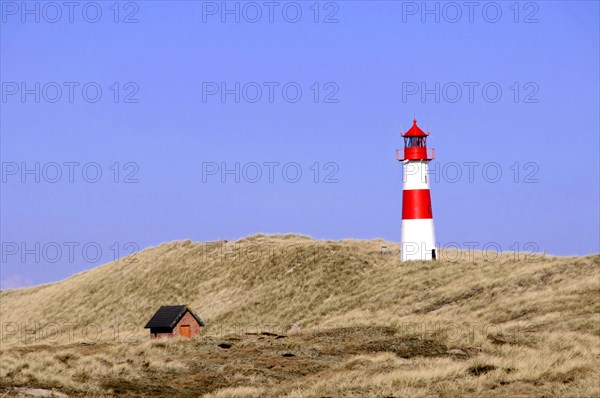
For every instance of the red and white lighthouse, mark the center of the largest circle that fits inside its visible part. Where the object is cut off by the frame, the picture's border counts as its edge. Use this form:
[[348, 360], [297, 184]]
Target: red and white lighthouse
[[418, 236]]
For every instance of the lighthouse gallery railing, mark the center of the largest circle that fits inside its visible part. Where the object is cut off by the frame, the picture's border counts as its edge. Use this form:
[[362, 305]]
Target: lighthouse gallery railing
[[430, 154]]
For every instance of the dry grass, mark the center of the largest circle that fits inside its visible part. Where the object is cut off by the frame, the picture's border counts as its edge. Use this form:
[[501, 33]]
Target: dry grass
[[358, 322]]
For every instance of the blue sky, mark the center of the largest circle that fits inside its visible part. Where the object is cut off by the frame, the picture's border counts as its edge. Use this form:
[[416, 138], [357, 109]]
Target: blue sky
[[323, 89]]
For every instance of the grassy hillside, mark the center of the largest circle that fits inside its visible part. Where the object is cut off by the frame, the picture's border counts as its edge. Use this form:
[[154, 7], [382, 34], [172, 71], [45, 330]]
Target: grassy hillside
[[356, 321]]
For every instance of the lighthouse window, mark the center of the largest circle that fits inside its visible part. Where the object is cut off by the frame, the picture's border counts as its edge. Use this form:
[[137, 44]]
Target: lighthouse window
[[410, 142]]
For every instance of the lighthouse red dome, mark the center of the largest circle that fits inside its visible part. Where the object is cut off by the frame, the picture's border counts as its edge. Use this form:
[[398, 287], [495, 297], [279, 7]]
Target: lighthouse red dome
[[415, 145], [415, 131]]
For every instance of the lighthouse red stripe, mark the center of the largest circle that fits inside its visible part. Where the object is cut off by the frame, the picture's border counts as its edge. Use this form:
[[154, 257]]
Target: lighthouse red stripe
[[416, 203]]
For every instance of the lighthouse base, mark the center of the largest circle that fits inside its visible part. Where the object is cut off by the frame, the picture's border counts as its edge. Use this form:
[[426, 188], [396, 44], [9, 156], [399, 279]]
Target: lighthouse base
[[418, 240]]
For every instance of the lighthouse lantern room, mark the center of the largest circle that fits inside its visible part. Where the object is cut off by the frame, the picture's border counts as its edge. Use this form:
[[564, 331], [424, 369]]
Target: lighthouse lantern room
[[418, 236]]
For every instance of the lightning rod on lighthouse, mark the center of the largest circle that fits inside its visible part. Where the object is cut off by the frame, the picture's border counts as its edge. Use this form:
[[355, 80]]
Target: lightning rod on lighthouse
[[418, 236]]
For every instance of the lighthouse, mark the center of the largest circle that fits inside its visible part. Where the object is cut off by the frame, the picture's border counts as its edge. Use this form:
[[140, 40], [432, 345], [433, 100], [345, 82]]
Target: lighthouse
[[418, 237]]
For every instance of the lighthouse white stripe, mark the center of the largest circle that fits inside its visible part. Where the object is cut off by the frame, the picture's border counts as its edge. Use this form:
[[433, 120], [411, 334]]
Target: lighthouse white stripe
[[415, 174], [418, 239]]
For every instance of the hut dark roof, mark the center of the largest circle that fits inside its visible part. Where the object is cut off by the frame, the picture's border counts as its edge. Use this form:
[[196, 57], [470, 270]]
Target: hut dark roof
[[167, 316]]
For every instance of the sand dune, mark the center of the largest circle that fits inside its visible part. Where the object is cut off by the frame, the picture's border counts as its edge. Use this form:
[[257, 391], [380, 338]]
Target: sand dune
[[354, 321]]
